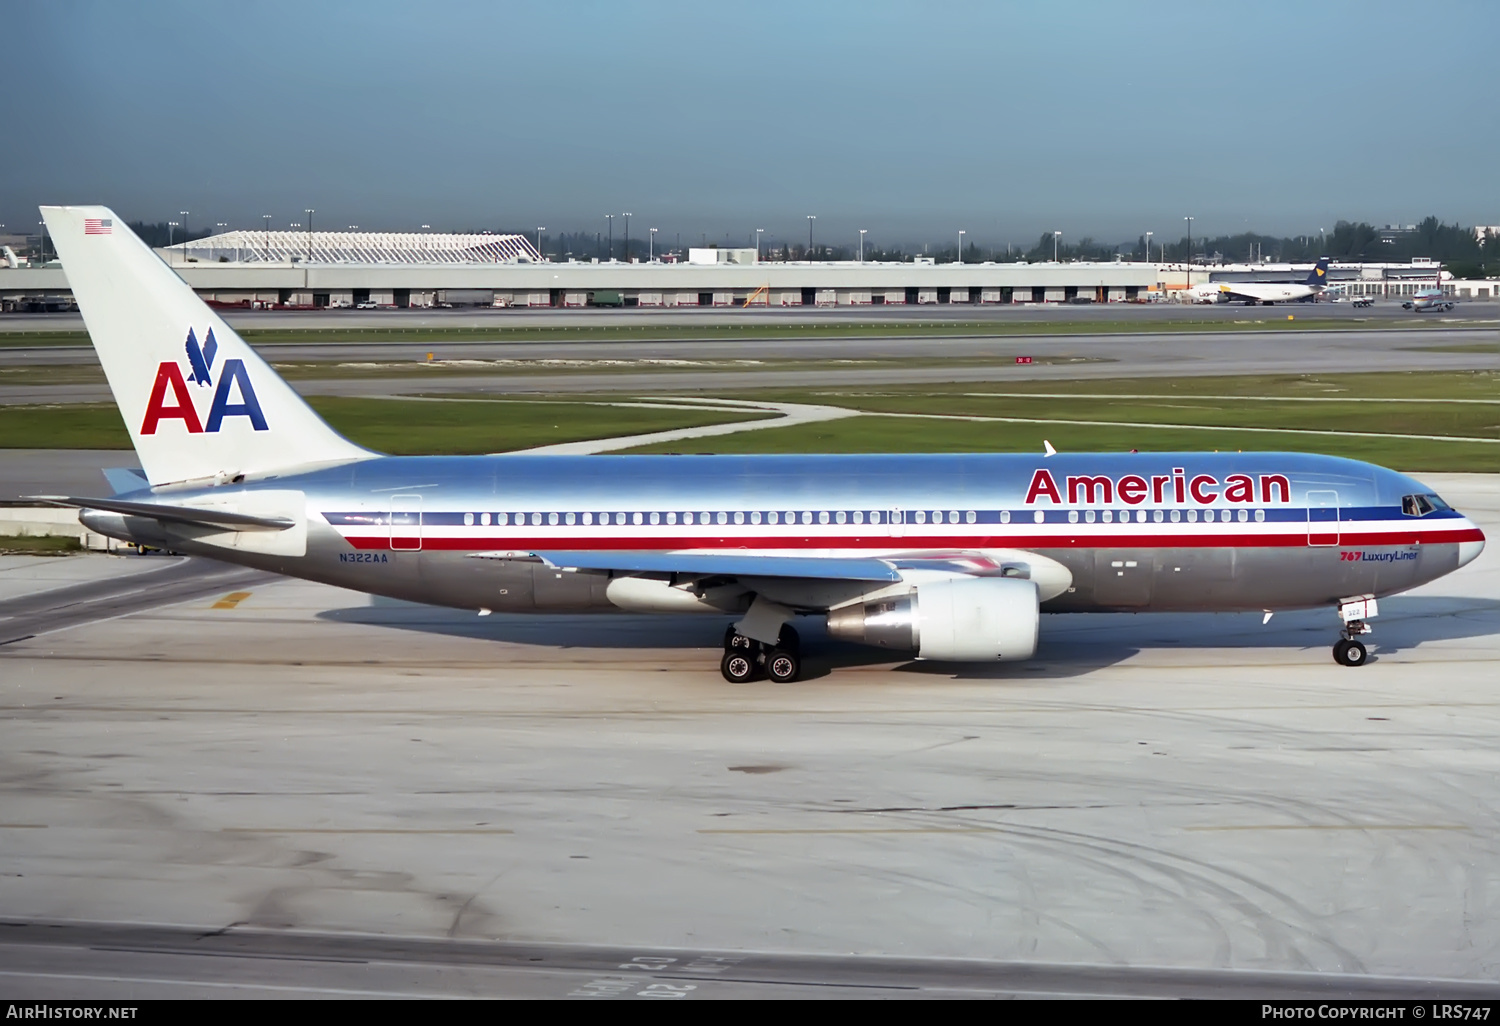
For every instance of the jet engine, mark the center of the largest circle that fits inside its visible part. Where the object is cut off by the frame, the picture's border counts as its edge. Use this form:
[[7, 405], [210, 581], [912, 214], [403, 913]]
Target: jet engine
[[969, 619]]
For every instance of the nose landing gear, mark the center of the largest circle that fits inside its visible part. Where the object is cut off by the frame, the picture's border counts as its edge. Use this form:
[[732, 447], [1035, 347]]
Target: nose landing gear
[[1349, 650]]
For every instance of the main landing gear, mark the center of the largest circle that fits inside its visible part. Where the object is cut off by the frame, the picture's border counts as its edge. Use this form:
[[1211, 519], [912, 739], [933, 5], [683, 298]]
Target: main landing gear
[[1349, 650], [746, 659]]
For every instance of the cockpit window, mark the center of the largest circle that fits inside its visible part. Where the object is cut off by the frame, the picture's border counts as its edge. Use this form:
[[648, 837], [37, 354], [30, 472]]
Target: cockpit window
[[1421, 505]]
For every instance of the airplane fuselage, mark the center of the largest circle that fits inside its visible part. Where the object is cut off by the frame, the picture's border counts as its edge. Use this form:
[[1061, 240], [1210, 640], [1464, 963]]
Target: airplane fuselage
[[1140, 532]]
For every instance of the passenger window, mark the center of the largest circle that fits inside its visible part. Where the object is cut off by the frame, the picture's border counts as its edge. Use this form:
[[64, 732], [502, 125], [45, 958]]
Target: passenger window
[[655, 519], [773, 517], [839, 517], [1109, 516], [874, 516], [1192, 516], [570, 518], [1072, 516], [468, 520], [1005, 516], [920, 516], [671, 518], [1260, 516], [635, 518], [806, 517], [755, 518], [536, 520], [953, 516], [723, 518], [1140, 516], [739, 518], [1039, 517], [1156, 515], [1176, 515], [502, 519], [588, 518], [620, 518], [823, 516], [1088, 516], [484, 520], [1243, 516], [971, 516], [859, 516]]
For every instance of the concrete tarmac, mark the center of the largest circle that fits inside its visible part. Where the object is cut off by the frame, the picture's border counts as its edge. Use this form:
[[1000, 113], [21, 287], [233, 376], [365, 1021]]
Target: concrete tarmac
[[1163, 804]]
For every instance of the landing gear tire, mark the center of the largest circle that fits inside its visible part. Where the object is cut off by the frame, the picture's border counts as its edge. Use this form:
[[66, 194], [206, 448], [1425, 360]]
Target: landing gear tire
[[737, 642], [738, 666], [783, 665], [1349, 652]]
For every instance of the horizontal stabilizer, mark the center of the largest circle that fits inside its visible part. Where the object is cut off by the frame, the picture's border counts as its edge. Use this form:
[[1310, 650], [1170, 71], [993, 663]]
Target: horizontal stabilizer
[[125, 479], [175, 514], [718, 564]]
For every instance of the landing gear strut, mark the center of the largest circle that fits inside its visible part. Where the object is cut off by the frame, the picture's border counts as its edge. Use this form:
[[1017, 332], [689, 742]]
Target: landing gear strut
[[1349, 650], [745, 658]]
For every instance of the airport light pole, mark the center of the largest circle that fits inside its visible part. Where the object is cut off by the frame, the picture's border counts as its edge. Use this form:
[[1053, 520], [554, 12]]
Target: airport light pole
[[1054, 246], [810, 219], [539, 230], [221, 224], [961, 234], [626, 215], [266, 218], [611, 219], [1189, 265], [184, 215], [309, 212], [757, 244], [1148, 246], [862, 244], [170, 226], [43, 237], [651, 247]]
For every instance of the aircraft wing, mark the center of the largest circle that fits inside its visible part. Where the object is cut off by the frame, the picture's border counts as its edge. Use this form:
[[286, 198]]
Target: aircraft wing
[[222, 519], [715, 564]]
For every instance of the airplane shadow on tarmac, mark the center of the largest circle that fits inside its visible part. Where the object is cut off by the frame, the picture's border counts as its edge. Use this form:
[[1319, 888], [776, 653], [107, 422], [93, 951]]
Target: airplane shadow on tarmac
[[1071, 644]]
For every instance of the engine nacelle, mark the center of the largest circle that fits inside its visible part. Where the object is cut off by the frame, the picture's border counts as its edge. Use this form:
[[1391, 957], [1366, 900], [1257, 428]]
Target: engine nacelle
[[972, 619]]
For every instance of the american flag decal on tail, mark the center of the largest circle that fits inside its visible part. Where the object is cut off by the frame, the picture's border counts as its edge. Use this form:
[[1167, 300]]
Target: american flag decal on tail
[[98, 225]]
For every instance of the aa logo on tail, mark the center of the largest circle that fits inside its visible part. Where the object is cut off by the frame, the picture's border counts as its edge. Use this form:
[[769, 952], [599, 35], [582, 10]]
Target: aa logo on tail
[[232, 378]]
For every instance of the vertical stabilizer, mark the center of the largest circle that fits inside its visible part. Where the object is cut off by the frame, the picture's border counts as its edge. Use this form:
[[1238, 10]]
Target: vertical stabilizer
[[199, 403], [1319, 275]]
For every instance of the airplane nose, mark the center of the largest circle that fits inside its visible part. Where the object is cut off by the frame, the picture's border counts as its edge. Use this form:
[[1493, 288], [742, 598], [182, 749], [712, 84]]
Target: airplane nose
[[1468, 551]]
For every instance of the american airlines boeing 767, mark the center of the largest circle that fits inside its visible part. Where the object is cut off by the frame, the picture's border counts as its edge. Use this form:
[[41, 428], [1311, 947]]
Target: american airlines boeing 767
[[949, 557]]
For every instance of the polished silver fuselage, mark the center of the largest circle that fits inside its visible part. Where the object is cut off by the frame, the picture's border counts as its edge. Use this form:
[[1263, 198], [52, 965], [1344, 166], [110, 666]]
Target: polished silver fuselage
[[463, 531]]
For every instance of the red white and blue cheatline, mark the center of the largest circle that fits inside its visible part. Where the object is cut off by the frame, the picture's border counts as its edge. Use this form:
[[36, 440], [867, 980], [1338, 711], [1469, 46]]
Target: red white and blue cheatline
[[98, 225]]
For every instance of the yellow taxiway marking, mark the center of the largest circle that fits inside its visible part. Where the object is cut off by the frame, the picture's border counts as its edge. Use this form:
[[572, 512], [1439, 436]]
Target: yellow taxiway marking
[[368, 830], [231, 600], [1336, 826]]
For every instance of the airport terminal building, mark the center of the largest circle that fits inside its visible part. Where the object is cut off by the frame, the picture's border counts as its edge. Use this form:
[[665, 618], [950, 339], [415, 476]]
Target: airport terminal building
[[312, 270]]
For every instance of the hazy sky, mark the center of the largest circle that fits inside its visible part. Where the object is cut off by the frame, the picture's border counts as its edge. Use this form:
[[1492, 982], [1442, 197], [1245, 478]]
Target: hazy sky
[[910, 119]]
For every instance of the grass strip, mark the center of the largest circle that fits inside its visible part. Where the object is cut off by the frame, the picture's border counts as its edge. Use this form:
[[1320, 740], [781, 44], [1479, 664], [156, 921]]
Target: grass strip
[[31, 545], [834, 329]]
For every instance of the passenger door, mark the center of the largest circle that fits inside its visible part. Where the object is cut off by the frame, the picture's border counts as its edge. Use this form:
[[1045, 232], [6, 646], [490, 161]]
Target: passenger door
[[406, 523], [1323, 518]]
